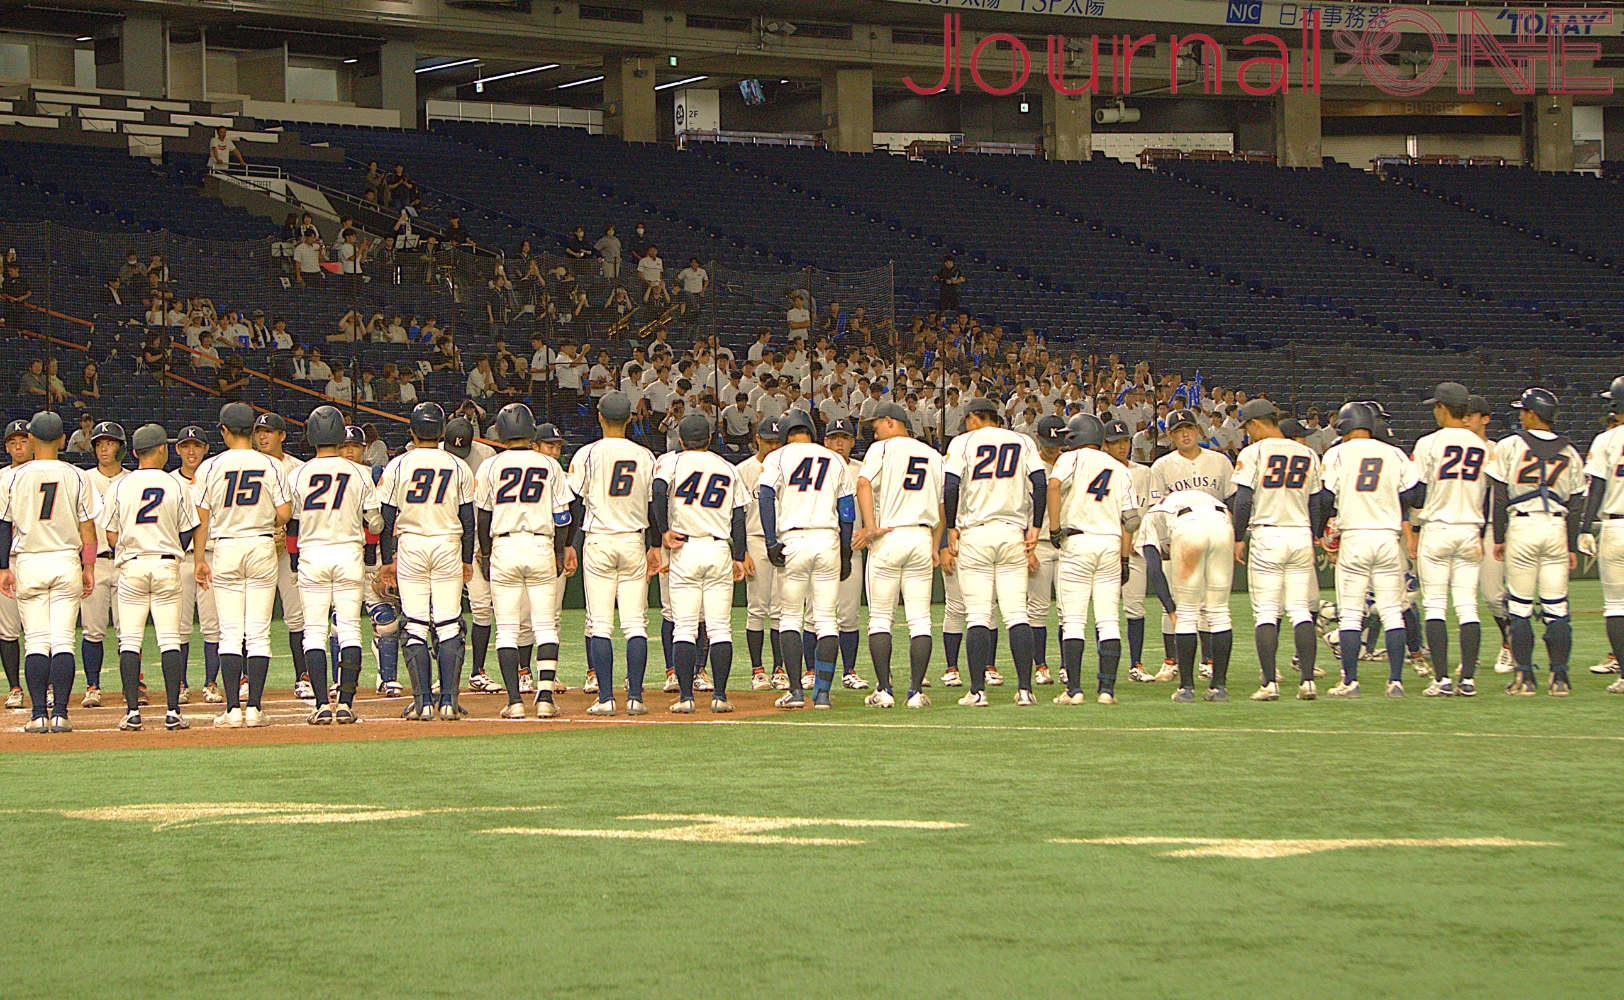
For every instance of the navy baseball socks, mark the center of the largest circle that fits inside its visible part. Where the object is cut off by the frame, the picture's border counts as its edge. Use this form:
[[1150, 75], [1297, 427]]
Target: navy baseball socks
[[1185, 645], [600, 659], [754, 639], [848, 652], [1268, 649], [1223, 646], [49, 676], [1471, 640], [1136, 641], [1040, 646], [721, 664], [1559, 646], [129, 678], [316, 671], [1412, 630], [951, 641], [482, 646], [507, 661], [11, 653], [297, 651], [211, 662], [1438, 642], [1307, 640], [636, 670], [1615, 637], [1020, 651], [1521, 632], [546, 671], [789, 644], [1110, 659], [879, 656], [1071, 662], [231, 671], [450, 663], [919, 648], [174, 668], [90, 653], [682, 661]]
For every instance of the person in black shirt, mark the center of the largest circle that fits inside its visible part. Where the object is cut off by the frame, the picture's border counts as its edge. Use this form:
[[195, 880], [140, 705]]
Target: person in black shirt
[[577, 247], [455, 234], [640, 241], [950, 278]]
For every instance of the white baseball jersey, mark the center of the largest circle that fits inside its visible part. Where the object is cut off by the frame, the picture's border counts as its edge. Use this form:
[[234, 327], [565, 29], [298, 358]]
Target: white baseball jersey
[[749, 478], [46, 503], [995, 469], [704, 488], [148, 511], [1164, 512], [101, 483], [1606, 462], [613, 477], [1367, 477], [427, 486], [332, 498], [1095, 491], [241, 489], [808, 480], [288, 464], [524, 490], [905, 475], [1282, 475], [1209, 472], [1523, 472], [1452, 463]]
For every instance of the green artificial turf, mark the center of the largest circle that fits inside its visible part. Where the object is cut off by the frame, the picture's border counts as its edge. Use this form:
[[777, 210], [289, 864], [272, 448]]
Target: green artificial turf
[[430, 905]]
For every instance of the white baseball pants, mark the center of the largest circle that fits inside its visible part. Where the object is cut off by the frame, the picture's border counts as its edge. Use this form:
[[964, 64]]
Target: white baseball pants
[[524, 584], [99, 609], [244, 585], [202, 602], [614, 567], [763, 610], [1537, 565], [992, 571], [149, 585], [811, 569], [11, 621], [48, 587], [701, 582], [1370, 561], [1447, 558], [287, 585], [331, 577], [1202, 553], [1610, 563], [899, 563], [1280, 575], [1041, 585], [1090, 570], [429, 571]]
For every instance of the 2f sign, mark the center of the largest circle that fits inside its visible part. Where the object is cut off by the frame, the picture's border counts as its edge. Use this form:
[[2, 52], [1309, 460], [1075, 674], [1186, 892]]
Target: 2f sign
[[1243, 12]]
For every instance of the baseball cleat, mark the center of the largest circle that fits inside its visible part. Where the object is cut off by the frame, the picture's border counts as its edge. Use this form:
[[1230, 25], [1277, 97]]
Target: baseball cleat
[[950, 678], [1346, 689], [758, 681], [303, 691], [1467, 687], [780, 680], [15, 698], [559, 687], [635, 707], [1422, 665], [791, 699], [253, 718], [1205, 670], [548, 710], [212, 695], [1608, 665], [1560, 686], [514, 710], [527, 682], [809, 680], [702, 681], [60, 724], [1025, 698], [602, 708], [1169, 671], [1041, 676], [1184, 696], [1617, 687], [1137, 673], [852, 682], [1106, 698], [242, 689], [591, 685], [1441, 687], [322, 716], [1070, 698], [92, 698], [682, 706], [918, 700], [185, 695], [1215, 694], [230, 719], [391, 689], [975, 699], [175, 720], [880, 699], [1505, 664], [39, 725], [451, 713], [1307, 691], [671, 682], [1268, 692], [131, 723], [1520, 688], [344, 715], [481, 683], [821, 700], [721, 706], [1395, 689], [994, 678], [141, 693]]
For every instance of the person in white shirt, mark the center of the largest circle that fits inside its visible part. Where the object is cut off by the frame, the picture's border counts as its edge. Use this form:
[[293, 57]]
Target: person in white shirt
[[221, 150], [571, 370], [798, 319], [651, 269], [307, 257], [316, 370], [280, 338], [738, 422], [759, 350], [481, 381], [341, 387], [694, 281]]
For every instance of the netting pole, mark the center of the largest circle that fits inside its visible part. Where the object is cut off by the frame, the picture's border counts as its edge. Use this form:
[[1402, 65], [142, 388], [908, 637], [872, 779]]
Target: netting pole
[[1291, 350], [45, 326], [355, 345], [891, 319], [163, 376]]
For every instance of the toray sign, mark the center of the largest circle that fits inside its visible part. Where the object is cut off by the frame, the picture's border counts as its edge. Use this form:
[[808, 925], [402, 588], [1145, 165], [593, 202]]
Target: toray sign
[[1468, 49]]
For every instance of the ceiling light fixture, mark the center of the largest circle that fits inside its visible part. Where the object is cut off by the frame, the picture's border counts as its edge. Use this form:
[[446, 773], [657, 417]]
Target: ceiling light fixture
[[680, 83], [521, 72], [578, 83], [82, 38], [351, 61], [445, 65]]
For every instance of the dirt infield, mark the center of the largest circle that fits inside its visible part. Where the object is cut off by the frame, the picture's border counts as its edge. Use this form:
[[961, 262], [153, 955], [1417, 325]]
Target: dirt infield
[[97, 728]]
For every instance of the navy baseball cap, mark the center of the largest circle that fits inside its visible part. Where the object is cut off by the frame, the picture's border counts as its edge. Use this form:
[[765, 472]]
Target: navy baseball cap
[[1293, 429], [148, 436], [841, 426], [1181, 418], [548, 434], [46, 426], [1116, 430], [237, 417], [615, 406], [459, 437], [982, 405], [354, 435], [15, 428], [1479, 405], [891, 411], [768, 430], [271, 421], [192, 432]]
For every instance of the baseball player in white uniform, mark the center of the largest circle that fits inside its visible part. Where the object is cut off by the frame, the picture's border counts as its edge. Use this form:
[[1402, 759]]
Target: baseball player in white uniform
[[48, 551], [270, 431], [899, 491], [1277, 485], [1119, 445], [107, 440], [1534, 475], [1093, 513], [1194, 530], [334, 504], [994, 495], [839, 436], [1188, 467], [1448, 550], [19, 451], [1491, 572], [1050, 433], [614, 478], [460, 441], [807, 516], [191, 444], [1604, 468], [549, 441], [1370, 483], [522, 505], [699, 509], [761, 621], [428, 520], [242, 501], [149, 518]]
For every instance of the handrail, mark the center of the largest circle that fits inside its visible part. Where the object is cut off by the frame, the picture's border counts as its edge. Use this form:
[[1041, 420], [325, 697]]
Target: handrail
[[54, 340], [351, 161], [49, 312]]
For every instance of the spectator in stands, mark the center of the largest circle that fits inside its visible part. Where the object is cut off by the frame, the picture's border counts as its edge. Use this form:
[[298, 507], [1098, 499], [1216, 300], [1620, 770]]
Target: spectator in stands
[[113, 294], [350, 327], [377, 331], [368, 388], [798, 319], [340, 386], [608, 250], [738, 423], [175, 314], [501, 302], [693, 282], [32, 387], [387, 388], [455, 234], [282, 246], [88, 383], [316, 370], [570, 369], [17, 292], [949, 278], [281, 339], [234, 331], [668, 424], [259, 335], [376, 453], [155, 353], [399, 187], [651, 269], [307, 260], [619, 302], [577, 306], [403, 231], [409, 378], [132, 271], [207, 355], [79, 443], [532, 286], [222, 148], [834, 324], [429, 332], [155, 310], [641, 240], [231, 380], [481, 381], [377, 183], [446, 357], [577, 247], [600, 378], [395, 332], [158, 273], [349, 261]]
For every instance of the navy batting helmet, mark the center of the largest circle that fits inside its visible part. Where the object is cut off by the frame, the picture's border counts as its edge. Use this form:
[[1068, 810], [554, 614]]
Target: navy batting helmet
[[795, 420], [1355, 417], [1085, 430], [1615, 392], [515, 423], [1540, 402], [768, 430], [108, 429], [428, 422], [324, 428]]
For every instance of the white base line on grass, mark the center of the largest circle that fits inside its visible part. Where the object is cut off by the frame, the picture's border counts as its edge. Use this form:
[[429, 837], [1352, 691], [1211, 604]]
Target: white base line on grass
[[1174, 729]]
